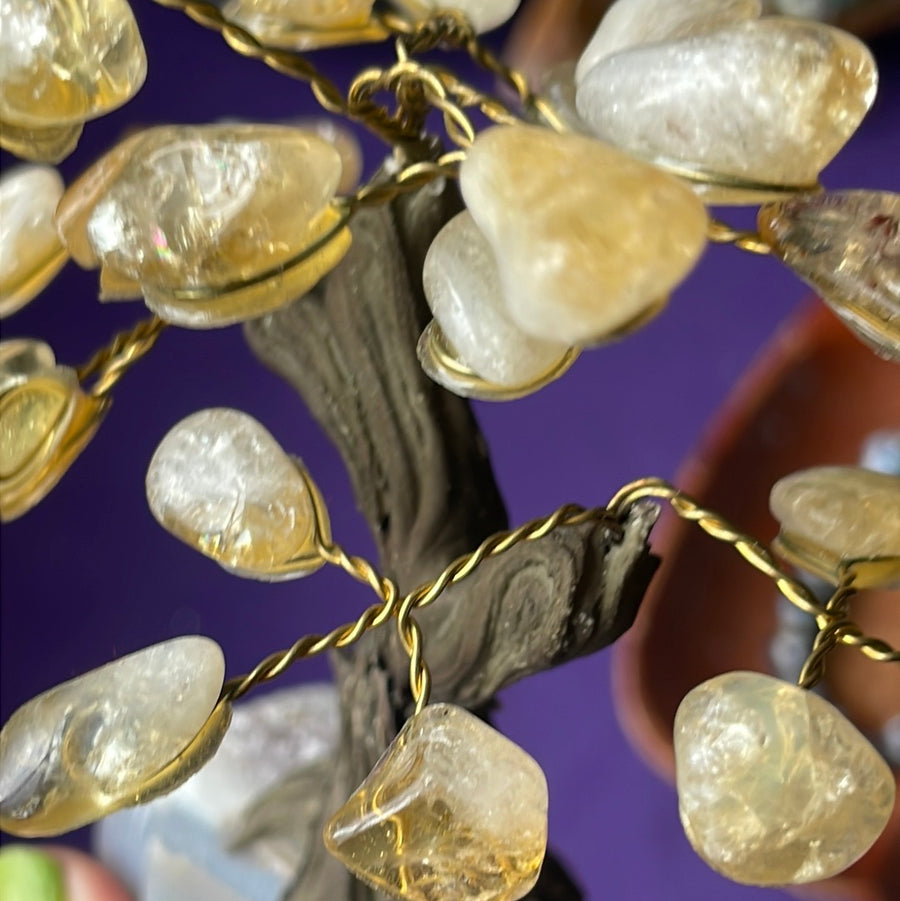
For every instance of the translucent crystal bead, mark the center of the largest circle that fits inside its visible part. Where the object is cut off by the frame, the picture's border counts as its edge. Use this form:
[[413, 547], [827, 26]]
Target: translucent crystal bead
[[40, 145], [483, 14], [83, 194], [775, 786], [211, 221], [30, 250], [846, 244], [766, 102], [462, 285], [299, 23], [222, 484], [831, 516], [630, 23], [46, 420], [63, 62], [588, 240], [452, 810], [115, 736]]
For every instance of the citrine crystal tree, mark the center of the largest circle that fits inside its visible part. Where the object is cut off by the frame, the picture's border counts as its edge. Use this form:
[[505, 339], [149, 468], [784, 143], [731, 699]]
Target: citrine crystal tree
[[567, 266]]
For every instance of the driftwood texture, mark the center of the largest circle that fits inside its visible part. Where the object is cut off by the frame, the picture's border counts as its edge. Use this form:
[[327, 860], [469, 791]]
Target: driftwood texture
[[423, 480]]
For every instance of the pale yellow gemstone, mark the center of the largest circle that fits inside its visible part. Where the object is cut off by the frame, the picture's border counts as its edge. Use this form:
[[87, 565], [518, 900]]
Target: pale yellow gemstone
[[294, 23], [40, 145], [78, 202], [589, 241], [831, 516], [846, 244], [452, 810], [630, 23], [64, 61], [45, 422], [99, 742], [775, 785], [344, 142], [22, 358], [30, 250], [222, 484], [215, 210], [462, 286], [768, 101]]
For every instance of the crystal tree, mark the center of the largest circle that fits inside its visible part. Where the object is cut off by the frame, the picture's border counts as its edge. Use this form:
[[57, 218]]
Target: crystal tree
[[560, 587]]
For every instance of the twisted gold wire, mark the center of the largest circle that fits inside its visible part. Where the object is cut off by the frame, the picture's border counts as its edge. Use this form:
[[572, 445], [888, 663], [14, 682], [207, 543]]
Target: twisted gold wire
[[827, 639], [292, 64], [722, 233], [112, 362], [758, 556]]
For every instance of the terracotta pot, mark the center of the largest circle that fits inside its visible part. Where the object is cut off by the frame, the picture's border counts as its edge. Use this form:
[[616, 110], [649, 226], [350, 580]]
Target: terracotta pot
[[811, 399]]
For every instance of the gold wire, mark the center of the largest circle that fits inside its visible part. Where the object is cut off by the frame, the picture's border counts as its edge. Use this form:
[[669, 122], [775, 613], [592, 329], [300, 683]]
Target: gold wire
[[721, 233], [110, 363], [758, 556]]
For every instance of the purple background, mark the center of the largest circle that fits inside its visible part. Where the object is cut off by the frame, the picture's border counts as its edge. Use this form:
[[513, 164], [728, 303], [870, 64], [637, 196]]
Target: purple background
[[88, 575]]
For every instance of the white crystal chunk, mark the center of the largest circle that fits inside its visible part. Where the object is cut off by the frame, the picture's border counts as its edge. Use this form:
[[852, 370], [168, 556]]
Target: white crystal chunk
[[769, 101], [30, 250], [630, 23], [589, 241], [89, 746], [222, 484], [463, 288], [775, 786]]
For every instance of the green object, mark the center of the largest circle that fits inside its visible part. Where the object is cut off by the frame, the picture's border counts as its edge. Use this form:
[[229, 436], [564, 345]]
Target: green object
[[28, 875]]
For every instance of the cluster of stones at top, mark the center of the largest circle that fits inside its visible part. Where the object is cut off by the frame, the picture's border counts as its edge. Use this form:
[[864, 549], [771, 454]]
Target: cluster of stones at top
[[301, 23], [62, 63]]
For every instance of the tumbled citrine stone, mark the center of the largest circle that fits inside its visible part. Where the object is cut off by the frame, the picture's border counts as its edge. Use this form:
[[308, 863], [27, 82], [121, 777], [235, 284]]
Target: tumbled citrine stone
[[21, 358], [832, 517], [775, 785], [222, 484], [206, 212], [631, 23], [846, 244], [462, 285], [452, 810], [45, 422], [767, 102], [483, 14], [30, 250], [302, 24], [110, 738], [588, 240], [40, 145], [65, 61]]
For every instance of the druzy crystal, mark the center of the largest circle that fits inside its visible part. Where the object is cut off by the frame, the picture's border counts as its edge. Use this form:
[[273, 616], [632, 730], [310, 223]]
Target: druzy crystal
[[30, 250], [462, 285], [91, 745], [452, 810], [65, 61], [831, 516], [775, 786], [588, 240], [846, 244], [768, 101], [630, 23], [218, 223], [222, 484]]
